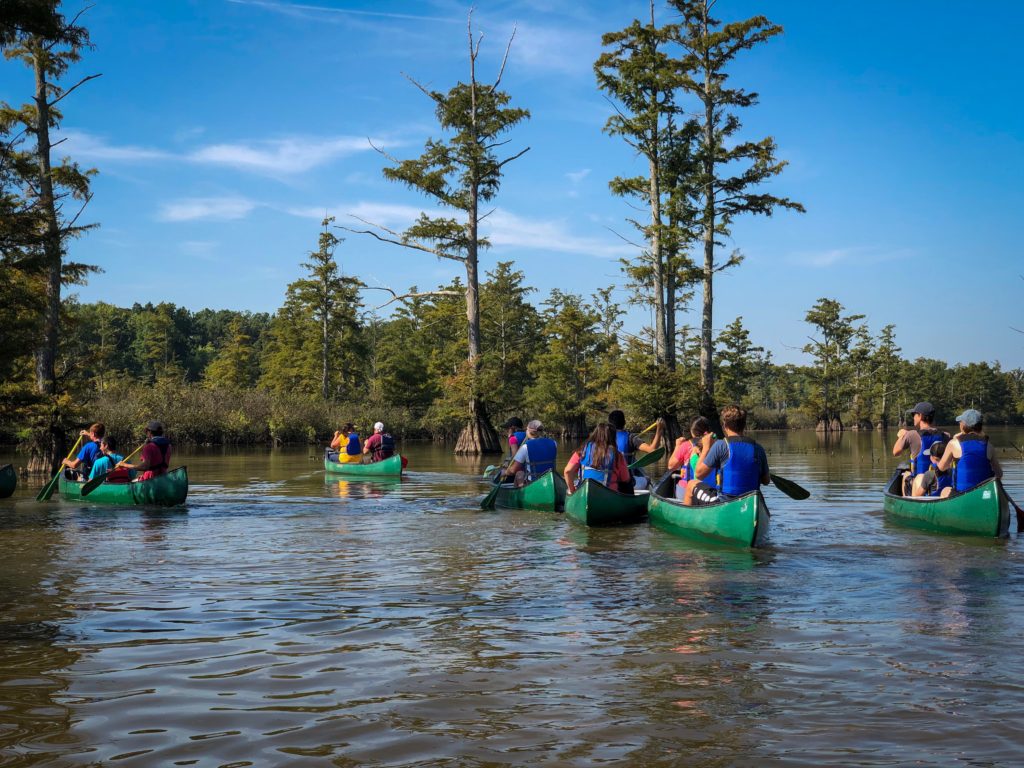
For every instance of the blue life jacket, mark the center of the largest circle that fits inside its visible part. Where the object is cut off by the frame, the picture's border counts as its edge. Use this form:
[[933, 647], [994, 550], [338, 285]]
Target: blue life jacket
[[973, 467], [386, 449], [89, 455], [520, 437], [540, 456], [942, 480], [600, 474], [624, 444], [164, 446], [741, 472], [922, 462], [353, 448]]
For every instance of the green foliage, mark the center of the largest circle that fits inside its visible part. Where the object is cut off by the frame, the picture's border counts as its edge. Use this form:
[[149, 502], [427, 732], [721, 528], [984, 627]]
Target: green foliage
[[833, 369], [737, 363]]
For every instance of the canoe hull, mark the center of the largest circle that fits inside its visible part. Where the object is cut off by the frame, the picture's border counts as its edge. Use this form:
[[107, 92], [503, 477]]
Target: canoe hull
[[389, 467], [545, 494], [167, 490], [982, 511], [740, 522], [8, 480], [594, 504]]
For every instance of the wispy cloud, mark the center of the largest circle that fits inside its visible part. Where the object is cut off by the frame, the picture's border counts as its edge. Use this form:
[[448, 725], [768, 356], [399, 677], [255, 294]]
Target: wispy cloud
[[297, 8], [207, 208], [555, 49], [577, 176], [275, 157], [88, 147], [854, 254], [503, 228]]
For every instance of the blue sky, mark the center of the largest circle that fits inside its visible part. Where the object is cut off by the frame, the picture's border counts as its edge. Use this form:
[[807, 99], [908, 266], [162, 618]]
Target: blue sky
[[223, 130]]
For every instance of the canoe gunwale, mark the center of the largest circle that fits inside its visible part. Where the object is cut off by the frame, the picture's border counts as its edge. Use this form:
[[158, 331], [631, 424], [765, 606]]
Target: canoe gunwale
[[629, 507], [174, 484], [696, 528], [553, 500], [923, 512], [389, 467]]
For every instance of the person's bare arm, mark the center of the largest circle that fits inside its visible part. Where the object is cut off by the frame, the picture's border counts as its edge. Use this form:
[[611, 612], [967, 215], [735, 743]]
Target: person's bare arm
[[948, 455], [675, 461], [648, 447], [901, 443], [703, 470]]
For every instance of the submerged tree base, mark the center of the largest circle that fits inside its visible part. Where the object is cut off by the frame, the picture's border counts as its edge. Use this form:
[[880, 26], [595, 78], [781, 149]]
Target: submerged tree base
[[477, 437]]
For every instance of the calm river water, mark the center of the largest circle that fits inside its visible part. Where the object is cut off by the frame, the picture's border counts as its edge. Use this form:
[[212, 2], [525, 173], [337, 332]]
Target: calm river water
[[284, 618]]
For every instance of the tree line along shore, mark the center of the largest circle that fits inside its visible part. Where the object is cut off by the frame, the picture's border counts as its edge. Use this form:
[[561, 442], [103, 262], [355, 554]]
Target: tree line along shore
[[448, 362]]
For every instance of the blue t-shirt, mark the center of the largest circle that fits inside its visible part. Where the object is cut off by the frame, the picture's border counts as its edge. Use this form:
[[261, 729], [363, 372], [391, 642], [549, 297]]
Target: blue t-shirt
[[719, 453], [89, 453], [105, 464]]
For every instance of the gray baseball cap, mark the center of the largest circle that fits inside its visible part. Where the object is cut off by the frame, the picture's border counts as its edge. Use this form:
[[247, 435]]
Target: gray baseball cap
[[970, 417]]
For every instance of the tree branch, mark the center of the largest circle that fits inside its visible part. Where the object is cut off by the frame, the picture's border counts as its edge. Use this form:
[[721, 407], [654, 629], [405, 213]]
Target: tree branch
[[398, 239], [516, 156], [66, 93], [404, 296], [504, 58]]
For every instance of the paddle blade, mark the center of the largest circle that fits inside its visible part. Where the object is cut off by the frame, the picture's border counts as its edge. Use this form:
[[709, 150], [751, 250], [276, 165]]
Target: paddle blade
[[648, 458], [48, 489], [790, 488], [488, 501], [92, 485]]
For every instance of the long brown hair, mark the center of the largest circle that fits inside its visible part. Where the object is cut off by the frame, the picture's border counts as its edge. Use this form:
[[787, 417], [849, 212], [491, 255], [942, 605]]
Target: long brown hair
[[603, 441]]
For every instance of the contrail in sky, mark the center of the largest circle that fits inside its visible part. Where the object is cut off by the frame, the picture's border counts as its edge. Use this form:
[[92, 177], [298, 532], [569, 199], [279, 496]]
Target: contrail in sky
[[351, 11]]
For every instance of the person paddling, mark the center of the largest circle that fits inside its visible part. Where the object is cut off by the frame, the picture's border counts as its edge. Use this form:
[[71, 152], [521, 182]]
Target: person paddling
[[918, 440], [156, 454], [687, 453], [728, 468], [629, 444], [89, 452], [380, 445], [600, 461], [934, 481], [346, 443], [535, 456], [972, 453], [516, 434]]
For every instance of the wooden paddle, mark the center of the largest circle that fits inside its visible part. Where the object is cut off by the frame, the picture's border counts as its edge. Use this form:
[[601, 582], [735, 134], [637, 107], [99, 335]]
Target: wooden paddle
[[790, 488], [96, 482], [647, 458], [47, 491]]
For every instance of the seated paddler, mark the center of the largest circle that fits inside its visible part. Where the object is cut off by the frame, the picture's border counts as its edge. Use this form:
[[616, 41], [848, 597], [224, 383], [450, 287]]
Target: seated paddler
[[933, 481], [380, 445], [728, 468], [918, 440], [599, 460], [345, 447], [534, 457], [629, 444], [516, 434], [970, 455]]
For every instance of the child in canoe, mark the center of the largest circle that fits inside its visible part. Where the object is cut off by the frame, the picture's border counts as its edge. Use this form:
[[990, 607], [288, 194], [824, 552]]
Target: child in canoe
[[599, 460], [687, 453], [345, 447]]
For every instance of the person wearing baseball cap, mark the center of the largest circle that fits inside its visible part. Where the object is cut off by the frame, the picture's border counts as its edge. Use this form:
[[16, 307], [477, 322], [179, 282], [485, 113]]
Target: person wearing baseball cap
[[975, 461], [516, 434], [534, 457], [919, 440], [156, 454], [380, 445]]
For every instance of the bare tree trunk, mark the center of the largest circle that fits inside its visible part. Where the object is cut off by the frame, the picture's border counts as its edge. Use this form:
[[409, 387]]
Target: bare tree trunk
[[50, 441], [660, 342], [707, 370], [670, 313], [323, 356]]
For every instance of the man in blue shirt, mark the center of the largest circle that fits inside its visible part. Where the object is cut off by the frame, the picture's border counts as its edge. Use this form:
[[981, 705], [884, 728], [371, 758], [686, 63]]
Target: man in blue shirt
[[83, 462], [728, 468]]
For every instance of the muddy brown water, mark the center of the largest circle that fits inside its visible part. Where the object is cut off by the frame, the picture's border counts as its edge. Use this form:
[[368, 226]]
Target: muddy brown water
[[285, 618]]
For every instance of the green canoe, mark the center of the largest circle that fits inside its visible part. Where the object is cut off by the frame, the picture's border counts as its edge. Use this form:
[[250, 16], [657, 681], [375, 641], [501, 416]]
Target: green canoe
[[594, 504], [164, 491], [982, 511], [742, 521], [8, 480], [390, 467], [546, 494]]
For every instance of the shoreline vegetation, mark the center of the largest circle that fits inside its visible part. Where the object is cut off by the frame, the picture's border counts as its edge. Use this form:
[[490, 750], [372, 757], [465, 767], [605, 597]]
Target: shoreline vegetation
[[449, 363]]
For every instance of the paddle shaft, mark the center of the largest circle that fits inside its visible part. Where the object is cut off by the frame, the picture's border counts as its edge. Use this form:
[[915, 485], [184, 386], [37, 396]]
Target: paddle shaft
[[47, 490]]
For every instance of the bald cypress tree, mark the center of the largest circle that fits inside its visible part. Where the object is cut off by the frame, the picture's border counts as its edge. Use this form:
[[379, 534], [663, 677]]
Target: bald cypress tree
[[730, 172], [460, 173]]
